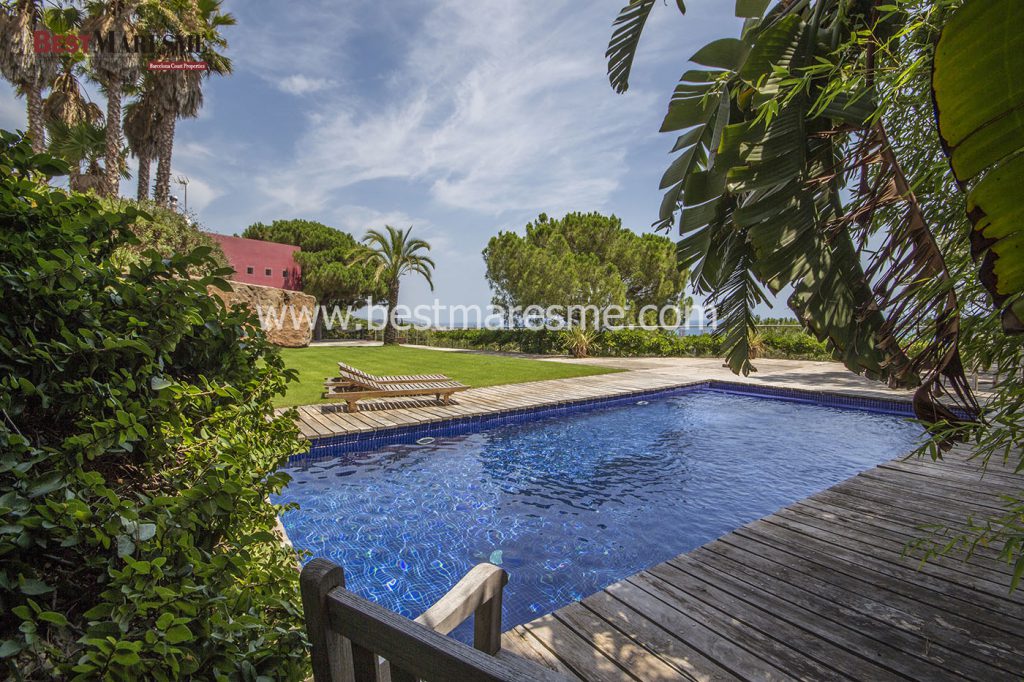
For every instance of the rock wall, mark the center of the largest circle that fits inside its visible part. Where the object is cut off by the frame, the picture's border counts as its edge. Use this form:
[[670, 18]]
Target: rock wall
[[290, 332]]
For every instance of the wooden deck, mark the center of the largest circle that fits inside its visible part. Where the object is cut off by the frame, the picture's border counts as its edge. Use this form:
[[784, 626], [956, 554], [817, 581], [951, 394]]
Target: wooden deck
[[321, 421], [819, 590]]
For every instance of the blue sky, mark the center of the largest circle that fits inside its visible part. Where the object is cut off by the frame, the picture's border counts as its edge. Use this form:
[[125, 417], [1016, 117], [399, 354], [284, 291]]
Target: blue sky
[[458, 118]]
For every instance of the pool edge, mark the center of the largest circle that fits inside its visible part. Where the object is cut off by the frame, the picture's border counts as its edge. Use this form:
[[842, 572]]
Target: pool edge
[[363, 441]]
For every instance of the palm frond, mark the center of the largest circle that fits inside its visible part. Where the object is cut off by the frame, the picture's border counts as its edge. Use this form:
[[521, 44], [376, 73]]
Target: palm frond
[[910, 281], [395, 253], [628, 26]]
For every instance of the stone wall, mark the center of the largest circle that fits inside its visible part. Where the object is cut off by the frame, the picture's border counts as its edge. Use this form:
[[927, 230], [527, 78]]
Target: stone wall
[[268, 298]]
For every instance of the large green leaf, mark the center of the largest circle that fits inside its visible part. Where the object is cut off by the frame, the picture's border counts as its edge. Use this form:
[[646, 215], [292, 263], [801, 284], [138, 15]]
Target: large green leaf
[[774, 47], [979, 103], [726, 53], [688, 112], [751, 9], [702, 112], [979, 91], [997, 212]]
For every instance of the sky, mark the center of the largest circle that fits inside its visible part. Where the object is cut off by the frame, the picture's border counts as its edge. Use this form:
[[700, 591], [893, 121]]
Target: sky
[[457, 118]]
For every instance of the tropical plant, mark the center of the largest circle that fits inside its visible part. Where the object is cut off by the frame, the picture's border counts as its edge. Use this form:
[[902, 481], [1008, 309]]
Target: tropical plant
[[75, 124], [786, 177], [179, 94], [67, 102], [756, 345], [978, 103], [583, 259], [30, 73], [138, 448], [392, 255], [981, 124], [578, 340], [81, 143]]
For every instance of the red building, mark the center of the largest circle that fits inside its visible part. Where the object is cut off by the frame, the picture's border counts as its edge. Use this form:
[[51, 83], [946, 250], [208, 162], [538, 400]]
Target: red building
[[257, 262]]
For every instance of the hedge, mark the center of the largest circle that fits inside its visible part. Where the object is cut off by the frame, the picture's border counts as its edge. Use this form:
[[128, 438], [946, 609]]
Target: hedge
[[794, 344]]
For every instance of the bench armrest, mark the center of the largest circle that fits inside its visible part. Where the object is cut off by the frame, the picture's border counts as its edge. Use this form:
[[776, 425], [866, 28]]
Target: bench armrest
[[479, 594]]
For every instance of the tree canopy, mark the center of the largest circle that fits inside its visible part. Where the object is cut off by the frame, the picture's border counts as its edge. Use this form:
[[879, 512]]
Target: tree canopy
[[583, 259], [330, 258]]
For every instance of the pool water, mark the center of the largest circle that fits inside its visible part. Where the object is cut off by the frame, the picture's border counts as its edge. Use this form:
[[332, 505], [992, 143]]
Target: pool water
[[570, 504]]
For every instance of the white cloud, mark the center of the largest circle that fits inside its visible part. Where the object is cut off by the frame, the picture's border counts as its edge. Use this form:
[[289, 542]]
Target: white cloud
[[358, 219], [500, 110], [298, 48], [298, 84], [193, 151]]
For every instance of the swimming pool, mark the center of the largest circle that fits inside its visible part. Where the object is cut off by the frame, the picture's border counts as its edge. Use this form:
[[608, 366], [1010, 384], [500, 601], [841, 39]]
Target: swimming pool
[[569, 504]]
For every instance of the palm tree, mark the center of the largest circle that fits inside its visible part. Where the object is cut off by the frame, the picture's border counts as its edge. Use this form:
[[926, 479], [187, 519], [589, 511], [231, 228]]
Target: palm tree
[[179, 94], [141, 124], [75, 127], [395, 254], [83, 142], [66, 102], [30, 73], [113, 70]]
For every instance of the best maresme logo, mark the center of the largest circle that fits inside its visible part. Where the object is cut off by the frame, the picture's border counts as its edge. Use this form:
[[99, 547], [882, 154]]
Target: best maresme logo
[[164, 52]]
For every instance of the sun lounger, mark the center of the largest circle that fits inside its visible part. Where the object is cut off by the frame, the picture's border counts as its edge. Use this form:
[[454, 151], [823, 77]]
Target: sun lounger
[[392, 379], [352, 388]]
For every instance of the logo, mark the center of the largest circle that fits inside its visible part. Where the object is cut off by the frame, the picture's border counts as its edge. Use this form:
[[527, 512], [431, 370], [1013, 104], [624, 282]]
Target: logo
[[168, 52]]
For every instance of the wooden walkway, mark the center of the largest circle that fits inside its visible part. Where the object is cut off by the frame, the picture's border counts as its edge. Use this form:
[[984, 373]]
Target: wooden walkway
[[820, 590], [321, 421]]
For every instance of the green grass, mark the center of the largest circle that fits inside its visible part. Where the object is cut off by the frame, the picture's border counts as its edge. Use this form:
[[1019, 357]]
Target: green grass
[[316, 363]]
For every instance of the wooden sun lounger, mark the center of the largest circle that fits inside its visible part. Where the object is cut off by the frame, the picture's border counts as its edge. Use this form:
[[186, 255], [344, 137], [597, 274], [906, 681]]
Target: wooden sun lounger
[[389, 379], [352, 388]]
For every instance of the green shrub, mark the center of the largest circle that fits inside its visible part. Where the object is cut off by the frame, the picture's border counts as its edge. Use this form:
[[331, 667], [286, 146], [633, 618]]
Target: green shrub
[[624, 343], [138, 448], [534, 341], [704, 346], [639, 343], [162, 230], [797, 345]]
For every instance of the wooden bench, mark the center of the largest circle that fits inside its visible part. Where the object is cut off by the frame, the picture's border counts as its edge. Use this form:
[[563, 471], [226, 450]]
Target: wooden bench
[[355, 640]]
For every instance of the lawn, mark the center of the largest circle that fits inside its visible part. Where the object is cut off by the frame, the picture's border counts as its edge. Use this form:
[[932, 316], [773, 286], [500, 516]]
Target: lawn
[[316, 363]]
